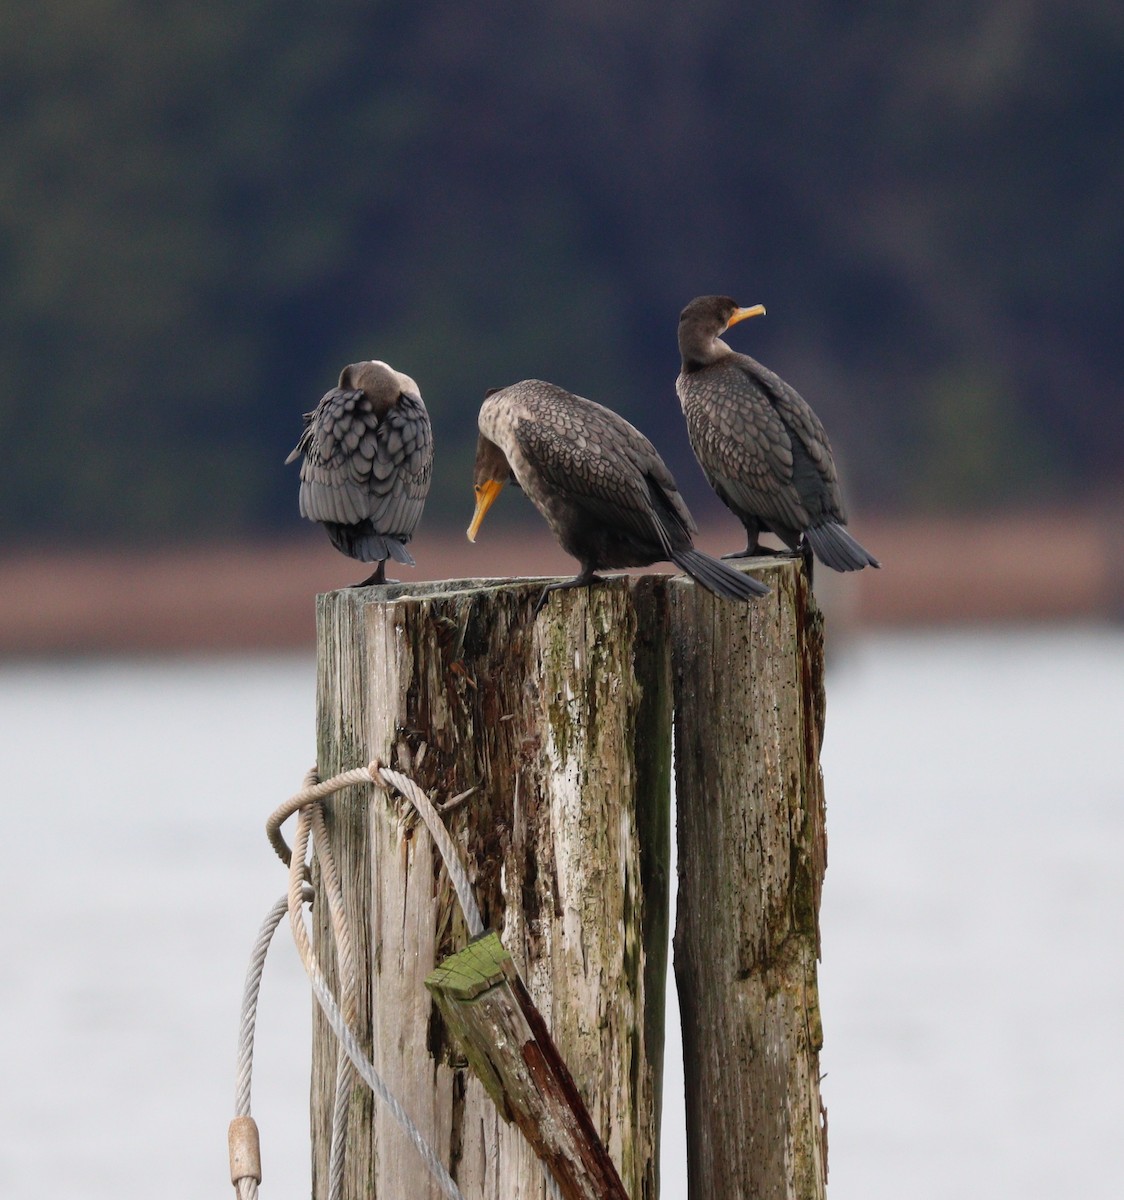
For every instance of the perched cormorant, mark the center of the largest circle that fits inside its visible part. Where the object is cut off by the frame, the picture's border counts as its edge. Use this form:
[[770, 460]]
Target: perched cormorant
[[604, 491], [762, 448], [368, 459]]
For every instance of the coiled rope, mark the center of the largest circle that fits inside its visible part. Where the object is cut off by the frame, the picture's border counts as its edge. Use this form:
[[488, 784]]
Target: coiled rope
[[245, 1154]]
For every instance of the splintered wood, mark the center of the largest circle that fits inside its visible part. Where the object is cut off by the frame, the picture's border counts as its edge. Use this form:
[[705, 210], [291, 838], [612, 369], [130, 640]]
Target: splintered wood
[[487, 1010]]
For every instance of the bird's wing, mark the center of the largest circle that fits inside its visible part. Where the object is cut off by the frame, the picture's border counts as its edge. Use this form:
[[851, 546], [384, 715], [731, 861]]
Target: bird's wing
[[663, 490], [406, 442], [762, 448], [742, 444], [598, 461], [813, 471], [359, 467], [304, 440]]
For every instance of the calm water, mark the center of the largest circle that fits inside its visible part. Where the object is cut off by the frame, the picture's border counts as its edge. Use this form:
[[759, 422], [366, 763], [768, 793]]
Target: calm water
[[973, 921]]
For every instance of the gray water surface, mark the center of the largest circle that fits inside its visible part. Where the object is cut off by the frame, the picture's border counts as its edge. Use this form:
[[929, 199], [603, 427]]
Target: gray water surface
[[973, 922]]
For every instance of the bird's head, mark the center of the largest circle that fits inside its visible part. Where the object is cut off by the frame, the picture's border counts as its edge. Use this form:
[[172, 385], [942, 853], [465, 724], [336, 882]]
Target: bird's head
[[380, 382], [704, 320], [490, 473]]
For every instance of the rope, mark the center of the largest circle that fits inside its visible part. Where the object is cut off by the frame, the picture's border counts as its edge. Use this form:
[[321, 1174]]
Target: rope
[[348, 990], [245, 1157], [335, 1018], [311, 791]]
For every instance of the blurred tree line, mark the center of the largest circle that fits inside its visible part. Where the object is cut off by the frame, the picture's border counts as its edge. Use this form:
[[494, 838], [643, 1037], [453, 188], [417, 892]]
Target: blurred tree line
[[207, 209]]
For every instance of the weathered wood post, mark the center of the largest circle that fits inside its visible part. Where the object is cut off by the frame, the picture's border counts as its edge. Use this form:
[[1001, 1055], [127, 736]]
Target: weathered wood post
[[564, 723], [752, 853]]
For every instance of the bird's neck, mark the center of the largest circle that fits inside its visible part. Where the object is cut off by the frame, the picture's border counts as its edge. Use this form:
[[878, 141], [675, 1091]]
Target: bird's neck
[[701, 354]]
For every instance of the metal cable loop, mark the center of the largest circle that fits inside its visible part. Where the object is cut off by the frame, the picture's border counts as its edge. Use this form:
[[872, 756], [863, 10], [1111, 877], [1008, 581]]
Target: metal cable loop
[[458, 876], [310, 823]]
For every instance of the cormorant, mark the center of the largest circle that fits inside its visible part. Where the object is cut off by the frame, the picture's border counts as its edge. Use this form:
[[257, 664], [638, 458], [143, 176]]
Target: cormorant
[[604, 491], [368, 460], [763, 449]]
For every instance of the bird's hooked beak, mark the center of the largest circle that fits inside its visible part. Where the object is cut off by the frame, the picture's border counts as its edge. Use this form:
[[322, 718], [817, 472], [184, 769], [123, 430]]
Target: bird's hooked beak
[[740, 314], [486, 494]]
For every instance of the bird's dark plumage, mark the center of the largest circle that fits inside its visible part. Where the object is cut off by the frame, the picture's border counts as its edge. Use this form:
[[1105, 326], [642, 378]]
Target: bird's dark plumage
[[368, 461], [761, 446], [604, 491]]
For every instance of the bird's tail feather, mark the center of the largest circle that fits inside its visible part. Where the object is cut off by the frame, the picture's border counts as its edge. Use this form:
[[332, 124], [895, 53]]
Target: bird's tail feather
[[716, 576], [835, 548], [363, 543], [399, 552]]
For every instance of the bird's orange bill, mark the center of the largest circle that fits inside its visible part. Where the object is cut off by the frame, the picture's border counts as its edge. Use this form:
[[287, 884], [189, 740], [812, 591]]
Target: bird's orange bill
[[486, 494], [757, 310]]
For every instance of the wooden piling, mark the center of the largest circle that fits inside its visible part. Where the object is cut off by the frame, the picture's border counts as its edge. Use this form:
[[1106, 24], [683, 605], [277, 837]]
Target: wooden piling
[[752, 853], [563, 721]]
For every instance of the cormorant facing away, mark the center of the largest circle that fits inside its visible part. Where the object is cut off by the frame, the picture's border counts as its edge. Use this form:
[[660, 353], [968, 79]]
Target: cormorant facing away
[[604, 491], [368, 460], [763, 449]]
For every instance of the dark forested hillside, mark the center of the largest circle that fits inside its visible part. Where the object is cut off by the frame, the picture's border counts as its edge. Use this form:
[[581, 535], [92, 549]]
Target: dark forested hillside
[[206, 209]]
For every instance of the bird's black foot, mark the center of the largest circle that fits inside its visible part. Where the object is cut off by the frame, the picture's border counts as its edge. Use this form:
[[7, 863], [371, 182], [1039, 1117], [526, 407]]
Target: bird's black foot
[[753, 550], [585, 579], [377, 576]]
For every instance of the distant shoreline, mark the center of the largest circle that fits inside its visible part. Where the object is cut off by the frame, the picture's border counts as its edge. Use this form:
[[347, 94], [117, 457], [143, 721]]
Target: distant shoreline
[[228, 598]]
